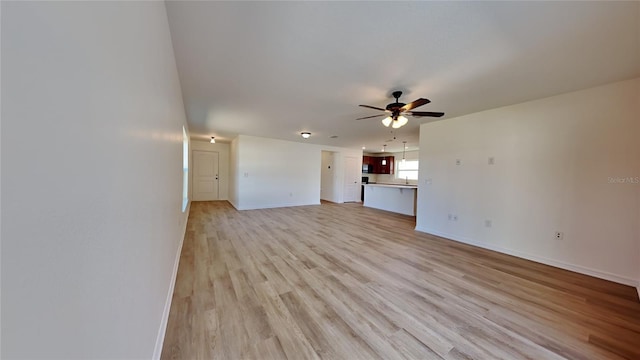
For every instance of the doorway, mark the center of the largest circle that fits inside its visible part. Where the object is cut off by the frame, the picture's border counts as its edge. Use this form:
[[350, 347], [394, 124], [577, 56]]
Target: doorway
[[327, 177], [205, 175]]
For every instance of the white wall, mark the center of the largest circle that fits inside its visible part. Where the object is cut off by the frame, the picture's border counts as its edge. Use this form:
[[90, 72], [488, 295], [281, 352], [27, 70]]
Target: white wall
[[223, 164], [553, 160], [274, 173], [277, 173], [92, 122]]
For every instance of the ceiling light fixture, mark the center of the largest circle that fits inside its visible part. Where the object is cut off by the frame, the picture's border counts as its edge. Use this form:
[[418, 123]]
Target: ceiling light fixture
[[305, 134], [397, 109], [213, 140], [396, 121], [384, 160], [399, 121], [404, 150]]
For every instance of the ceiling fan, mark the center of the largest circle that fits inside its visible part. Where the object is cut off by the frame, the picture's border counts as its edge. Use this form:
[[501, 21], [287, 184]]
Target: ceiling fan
[[396, 110]]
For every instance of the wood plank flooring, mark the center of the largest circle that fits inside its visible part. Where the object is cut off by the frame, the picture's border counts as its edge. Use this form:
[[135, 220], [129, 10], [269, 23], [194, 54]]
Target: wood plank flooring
[[340, 281]]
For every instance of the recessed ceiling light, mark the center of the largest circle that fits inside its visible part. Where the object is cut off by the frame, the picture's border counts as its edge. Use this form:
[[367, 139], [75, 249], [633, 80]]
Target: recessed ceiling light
[[305, 134], [364, 147]]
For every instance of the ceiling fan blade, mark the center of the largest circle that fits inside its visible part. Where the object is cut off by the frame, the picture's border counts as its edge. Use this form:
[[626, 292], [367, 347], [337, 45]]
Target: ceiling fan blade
[[369, 117], [415, 104], [426, 113], [373, 107]]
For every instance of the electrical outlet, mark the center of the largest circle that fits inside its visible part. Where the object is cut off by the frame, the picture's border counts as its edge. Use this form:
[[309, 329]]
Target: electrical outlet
[[487, 223], [559, 235]]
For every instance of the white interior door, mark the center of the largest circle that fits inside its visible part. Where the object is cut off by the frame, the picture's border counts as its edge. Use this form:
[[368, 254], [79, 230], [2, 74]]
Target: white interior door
[[327, 177], [205, 175], [352, 179]]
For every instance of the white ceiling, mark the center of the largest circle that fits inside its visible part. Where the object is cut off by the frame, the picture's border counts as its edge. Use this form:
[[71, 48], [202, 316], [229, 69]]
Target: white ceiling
[[275, 69]]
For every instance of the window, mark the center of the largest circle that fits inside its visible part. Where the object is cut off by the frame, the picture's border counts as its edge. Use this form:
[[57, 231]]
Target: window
[[407, 169], [185, 170]]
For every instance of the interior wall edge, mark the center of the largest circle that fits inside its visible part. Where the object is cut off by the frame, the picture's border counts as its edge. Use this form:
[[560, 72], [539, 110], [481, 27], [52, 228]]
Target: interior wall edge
[[542, 260], [233, 204]]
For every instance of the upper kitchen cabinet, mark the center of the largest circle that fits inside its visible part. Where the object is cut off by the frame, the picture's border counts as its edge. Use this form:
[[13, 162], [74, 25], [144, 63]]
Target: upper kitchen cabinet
[[386, 165], [367, 165], [377, 164]]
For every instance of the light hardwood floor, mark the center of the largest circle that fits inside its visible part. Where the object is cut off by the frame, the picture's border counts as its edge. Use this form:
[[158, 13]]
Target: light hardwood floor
[[340, 281]]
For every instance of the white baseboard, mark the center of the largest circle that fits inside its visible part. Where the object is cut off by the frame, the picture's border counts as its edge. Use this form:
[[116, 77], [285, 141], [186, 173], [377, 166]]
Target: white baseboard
[[556, 263], [157, 351], [233, 204], [273, 206]]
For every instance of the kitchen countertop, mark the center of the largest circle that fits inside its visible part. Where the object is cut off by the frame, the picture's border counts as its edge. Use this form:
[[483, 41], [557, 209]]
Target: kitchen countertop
[[399, 186]]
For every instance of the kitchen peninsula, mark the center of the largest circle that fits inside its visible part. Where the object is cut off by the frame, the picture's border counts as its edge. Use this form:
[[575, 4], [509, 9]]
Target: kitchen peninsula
[[396, 198]]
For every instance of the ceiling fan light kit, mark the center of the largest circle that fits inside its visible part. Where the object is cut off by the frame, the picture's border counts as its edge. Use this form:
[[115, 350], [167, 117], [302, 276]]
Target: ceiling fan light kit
[[396, 110], [399, 122]]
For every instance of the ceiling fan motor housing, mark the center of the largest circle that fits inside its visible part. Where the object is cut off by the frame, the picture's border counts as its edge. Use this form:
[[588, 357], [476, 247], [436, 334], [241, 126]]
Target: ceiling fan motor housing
[[394, 107]]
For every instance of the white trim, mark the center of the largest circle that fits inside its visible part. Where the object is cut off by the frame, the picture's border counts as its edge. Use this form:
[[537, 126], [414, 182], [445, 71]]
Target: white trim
[[273, 206], [638, 288], [157, 351], [560, 264], [232, 204]]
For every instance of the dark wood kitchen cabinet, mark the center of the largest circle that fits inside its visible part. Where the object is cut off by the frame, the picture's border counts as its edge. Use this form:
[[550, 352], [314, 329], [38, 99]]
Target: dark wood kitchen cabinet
[[367, 166], [379, 164], [385, 165]]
